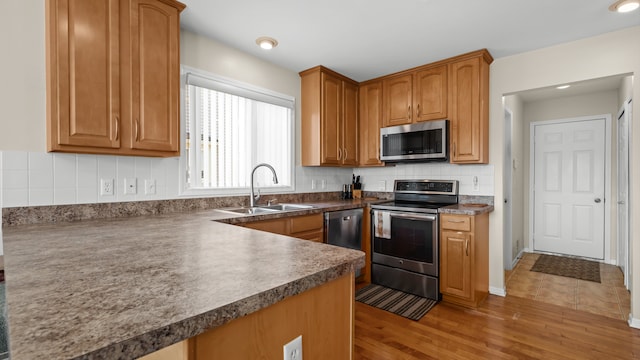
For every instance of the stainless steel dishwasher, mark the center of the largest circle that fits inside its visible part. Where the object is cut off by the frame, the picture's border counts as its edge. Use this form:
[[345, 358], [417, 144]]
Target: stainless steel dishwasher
[[344, 228]]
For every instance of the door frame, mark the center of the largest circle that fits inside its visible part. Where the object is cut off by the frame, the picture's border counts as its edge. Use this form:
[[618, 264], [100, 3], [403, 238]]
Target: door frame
[[509, 260], [625, 110], [607, 179]]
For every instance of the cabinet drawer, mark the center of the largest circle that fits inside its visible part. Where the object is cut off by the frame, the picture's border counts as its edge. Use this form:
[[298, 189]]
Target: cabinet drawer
[[306, 223], [452, 222], [317, 236], [278, 226]]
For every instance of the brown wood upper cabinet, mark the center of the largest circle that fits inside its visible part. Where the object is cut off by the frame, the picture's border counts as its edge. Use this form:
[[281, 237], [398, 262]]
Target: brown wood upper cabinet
[[329, 118], [417, 95], [469, 108], [369, 123], [113, 73]]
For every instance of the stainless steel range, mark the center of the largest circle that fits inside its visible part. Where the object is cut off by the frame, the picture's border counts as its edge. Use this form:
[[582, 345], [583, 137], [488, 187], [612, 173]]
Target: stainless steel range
[[405, 236]]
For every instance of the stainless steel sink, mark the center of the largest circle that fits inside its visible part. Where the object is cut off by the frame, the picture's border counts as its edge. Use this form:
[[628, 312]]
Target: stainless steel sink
[[287, 207], [250, 210], [270, 209]]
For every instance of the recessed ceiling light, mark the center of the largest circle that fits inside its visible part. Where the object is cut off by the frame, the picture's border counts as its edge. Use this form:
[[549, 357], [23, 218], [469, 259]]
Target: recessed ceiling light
[[625, 5], [562, 87], [266, 42]]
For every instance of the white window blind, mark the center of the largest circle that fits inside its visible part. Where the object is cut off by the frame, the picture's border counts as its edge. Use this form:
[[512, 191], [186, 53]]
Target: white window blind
[[231, 128]]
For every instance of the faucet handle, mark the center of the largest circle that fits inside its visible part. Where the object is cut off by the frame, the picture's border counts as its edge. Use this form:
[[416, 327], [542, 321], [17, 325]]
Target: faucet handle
[[272, 201], [256, 197]]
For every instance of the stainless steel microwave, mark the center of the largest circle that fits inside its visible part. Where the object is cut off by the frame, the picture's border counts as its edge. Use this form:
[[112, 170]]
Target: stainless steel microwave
[[423, 141]]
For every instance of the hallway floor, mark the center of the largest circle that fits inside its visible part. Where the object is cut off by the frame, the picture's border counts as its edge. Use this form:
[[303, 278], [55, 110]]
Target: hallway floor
[[609, 297]]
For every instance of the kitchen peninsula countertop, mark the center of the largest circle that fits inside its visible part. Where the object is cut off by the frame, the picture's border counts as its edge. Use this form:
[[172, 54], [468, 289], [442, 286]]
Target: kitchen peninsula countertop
[[124, 287], [466, 209]]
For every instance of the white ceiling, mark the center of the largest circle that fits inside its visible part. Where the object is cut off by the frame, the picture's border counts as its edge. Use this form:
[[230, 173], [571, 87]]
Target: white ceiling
[[364, 39], [576, 89]]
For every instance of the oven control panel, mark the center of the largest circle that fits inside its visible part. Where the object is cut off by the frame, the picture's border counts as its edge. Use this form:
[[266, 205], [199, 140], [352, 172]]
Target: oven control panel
[[448, 187]]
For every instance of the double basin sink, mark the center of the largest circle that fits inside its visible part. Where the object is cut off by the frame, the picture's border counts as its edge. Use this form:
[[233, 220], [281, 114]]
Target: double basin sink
[[267, 209]]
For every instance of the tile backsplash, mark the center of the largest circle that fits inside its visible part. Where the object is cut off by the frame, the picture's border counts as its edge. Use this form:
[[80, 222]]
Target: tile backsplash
[[40, 178], [33, 178]]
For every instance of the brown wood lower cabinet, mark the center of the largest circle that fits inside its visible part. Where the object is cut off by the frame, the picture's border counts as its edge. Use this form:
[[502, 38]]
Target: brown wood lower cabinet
[[322, 315], [308, 227], [464, 258]]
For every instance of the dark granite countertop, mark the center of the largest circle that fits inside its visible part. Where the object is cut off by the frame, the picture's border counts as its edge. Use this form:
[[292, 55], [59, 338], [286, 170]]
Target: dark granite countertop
[[119, 288], [466, 209]]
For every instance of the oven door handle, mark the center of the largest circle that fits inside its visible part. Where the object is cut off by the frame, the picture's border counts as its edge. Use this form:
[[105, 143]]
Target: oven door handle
[[414, 216]]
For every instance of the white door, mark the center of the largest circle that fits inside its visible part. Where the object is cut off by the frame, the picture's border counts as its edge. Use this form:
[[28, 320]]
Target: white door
[[623, 191], [569, 188]]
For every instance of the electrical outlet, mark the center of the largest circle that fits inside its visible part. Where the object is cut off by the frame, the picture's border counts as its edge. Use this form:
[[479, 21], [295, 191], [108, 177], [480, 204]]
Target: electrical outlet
[[130, 186], [476, 184], [293, 349], [106, 187], [323, 184], [382, 185], [313, 184], [149, 187]]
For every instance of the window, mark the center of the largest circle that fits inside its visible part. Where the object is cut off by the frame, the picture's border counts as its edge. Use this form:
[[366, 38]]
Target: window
[[228, 129]]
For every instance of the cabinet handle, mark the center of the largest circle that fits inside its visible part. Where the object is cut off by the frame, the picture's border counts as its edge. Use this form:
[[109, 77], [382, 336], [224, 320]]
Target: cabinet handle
[[454, 149], [137, 129], [409, 112], [117, 127], [345, 154], [466, 246], [339, 154], [418, 111], [456, 221]]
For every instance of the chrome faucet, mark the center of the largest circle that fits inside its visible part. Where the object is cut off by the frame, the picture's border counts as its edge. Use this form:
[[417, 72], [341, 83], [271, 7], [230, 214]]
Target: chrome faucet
[[253, 198]]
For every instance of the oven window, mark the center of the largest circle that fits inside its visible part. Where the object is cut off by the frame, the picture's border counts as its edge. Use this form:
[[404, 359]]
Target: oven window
[[410, 239]]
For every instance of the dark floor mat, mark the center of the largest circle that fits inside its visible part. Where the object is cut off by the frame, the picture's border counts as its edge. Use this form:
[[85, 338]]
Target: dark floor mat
[[568, 267]]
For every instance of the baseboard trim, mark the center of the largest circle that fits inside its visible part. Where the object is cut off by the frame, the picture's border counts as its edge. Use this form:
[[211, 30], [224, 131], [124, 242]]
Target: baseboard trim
[[518, 257], [634, 323], [497, 291]]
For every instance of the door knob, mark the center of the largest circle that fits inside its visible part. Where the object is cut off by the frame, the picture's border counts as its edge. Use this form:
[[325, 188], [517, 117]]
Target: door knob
[[597, 200]]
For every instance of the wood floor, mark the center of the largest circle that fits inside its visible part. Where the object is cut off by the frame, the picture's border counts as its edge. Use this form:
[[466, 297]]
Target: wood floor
[[501, 328]]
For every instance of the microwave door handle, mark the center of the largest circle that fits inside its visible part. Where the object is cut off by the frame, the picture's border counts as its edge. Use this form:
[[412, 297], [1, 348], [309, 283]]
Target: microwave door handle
[[415, 216]]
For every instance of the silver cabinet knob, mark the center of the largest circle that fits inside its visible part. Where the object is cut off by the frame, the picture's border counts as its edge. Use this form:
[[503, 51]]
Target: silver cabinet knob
[[597, 200]]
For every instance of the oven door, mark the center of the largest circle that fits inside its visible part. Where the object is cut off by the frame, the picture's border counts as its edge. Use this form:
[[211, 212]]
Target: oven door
[[405, 240]]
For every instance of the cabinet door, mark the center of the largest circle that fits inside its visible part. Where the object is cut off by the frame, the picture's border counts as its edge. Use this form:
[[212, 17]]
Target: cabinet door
[[276, 226], [349, 124], [331, 119], [83, 82], [467, 121], [430, 94], [155, 70], [370, 116], [306, 223], [455, 258], [397, 100]]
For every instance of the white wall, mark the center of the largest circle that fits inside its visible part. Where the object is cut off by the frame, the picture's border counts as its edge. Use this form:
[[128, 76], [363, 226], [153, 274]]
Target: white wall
[[22, 70], [600, 56], [514, 103]]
